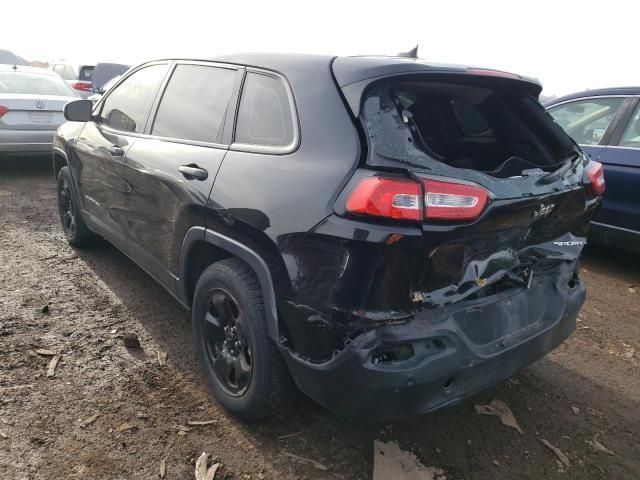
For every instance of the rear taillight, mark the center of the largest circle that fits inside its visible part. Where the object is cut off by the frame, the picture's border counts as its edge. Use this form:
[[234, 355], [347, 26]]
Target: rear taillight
[[411, 200], [453, 201], [386, 197], [595, 173], [3, 110], [81, 86]]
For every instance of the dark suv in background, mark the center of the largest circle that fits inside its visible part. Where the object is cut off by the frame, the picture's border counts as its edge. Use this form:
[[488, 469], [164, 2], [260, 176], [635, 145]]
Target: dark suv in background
[[388, 235]]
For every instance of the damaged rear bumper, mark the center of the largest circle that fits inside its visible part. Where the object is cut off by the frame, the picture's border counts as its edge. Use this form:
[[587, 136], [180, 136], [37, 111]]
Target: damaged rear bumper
[[444, 355]]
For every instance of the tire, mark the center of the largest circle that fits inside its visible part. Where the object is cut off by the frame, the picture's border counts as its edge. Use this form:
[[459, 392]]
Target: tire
[[241, 364], [75, 230]]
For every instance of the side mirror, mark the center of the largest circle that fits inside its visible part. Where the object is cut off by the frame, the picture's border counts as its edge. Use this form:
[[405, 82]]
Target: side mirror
[[78, 110]]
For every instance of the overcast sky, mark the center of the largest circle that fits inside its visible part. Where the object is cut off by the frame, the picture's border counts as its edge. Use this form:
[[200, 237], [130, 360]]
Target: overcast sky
[[568, 45]]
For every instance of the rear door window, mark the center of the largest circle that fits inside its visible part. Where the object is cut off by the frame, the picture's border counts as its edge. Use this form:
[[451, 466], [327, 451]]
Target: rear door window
[[587, 120], [195, 102], [127, 107], [631, 136], [265, 113]]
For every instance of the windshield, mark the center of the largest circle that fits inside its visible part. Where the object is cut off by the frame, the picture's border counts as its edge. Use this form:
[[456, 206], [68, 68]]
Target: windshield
[[464, 122], [34, 83]]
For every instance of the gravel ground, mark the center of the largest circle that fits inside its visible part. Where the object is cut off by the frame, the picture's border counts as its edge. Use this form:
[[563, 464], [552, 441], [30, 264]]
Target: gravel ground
[[110, 412]]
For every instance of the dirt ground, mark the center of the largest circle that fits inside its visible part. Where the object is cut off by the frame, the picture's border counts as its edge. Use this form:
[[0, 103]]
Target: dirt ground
[[110, 412]]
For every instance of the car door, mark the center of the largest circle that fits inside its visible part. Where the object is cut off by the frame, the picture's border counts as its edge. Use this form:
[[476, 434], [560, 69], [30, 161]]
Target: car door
[[101, 147], [170, 172], [621, 161]]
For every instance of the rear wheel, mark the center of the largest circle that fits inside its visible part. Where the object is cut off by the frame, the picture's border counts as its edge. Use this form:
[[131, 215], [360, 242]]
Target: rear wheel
[[75, 230], [240, 362]]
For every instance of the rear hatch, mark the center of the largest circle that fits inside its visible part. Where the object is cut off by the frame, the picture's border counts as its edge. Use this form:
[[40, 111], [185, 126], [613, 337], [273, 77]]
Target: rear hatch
[[31, 112], [503, 196]]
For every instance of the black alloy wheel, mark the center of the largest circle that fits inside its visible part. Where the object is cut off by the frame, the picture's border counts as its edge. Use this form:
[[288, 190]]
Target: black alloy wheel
[[227, 341]]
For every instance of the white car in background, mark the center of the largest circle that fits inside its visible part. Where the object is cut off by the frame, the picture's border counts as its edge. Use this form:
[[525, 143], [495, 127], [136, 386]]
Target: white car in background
[[31, 108], [78, 75]]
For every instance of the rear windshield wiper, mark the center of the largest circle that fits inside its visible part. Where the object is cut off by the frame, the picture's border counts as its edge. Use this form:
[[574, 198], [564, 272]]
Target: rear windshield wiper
[[567, 164]]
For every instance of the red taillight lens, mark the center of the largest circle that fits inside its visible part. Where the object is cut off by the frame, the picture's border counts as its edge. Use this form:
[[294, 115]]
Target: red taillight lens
[[83, 87], [386, 197], [3, 110], [453, 201], [408, 200], [595, 173]]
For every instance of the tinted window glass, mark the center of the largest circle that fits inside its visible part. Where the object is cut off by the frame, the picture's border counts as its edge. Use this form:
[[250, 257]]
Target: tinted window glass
[[194, 104], [631, 137], [586, 120], [264, 117], [127, 107]]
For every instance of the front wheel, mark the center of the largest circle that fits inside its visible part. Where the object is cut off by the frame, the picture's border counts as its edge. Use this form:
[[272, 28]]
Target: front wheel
[[240, 362], [75, 230]]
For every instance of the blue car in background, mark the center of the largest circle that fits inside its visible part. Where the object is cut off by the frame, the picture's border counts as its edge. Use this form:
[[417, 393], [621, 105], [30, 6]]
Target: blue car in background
[[606, 124]]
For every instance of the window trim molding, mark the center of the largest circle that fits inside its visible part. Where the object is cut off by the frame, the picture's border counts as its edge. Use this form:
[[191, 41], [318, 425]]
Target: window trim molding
[[269, 149]]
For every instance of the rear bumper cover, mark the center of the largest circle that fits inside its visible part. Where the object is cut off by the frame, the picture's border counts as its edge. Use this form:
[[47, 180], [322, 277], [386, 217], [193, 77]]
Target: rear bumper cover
[[458, 351], [26, 141]]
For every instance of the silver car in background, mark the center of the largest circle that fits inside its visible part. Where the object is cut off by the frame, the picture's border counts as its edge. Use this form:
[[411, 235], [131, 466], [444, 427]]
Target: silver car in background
[[31, 105]]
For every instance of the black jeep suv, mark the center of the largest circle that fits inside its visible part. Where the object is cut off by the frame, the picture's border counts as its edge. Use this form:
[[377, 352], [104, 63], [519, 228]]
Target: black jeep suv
[[388, 235]]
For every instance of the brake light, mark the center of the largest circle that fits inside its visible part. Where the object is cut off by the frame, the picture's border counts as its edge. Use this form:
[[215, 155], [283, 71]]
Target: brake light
[[595, 173], [453, 201], [81, 86], [487, 72], [409, 200], [3, 110], [386, 197]]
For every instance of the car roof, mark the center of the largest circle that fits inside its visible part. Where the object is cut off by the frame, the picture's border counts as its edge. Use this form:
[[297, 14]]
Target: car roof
[[348, 69], [26, 69], [601, 92]]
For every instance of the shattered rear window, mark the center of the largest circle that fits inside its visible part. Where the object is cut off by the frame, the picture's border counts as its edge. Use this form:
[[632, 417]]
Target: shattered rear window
[[461, 123]]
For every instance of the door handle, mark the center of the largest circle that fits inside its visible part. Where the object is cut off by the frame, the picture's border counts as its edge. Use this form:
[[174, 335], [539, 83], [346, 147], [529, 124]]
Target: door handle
[[116, 151], [193, 172]]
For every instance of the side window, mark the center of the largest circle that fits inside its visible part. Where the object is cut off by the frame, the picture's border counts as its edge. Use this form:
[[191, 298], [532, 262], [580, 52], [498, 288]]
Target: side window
[[631, 137], [194, 103], [587, 120], [264, 117], [127, 107]]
